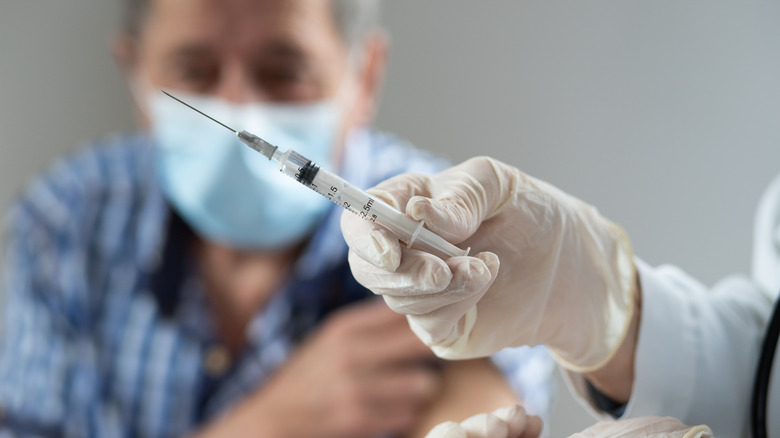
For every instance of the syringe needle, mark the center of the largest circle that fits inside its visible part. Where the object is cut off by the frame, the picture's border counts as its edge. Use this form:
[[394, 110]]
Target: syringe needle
[[199, 111], [347, 196]]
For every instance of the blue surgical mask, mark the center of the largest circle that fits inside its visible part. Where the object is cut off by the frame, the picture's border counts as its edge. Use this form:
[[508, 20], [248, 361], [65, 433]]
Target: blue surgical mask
[[229, 193]]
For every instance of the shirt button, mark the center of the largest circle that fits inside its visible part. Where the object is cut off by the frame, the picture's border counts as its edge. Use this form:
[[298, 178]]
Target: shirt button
[[217, 361]]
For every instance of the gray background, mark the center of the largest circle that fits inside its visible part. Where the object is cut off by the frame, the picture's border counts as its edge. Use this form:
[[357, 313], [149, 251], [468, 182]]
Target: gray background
[[664, 114]]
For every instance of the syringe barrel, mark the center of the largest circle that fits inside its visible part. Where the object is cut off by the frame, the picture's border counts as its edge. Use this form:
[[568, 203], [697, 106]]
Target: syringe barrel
[[367, 207]]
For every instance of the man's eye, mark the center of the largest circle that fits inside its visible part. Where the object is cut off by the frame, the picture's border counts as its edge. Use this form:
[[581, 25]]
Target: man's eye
[[287, 84], [197, 76], [279, 77]]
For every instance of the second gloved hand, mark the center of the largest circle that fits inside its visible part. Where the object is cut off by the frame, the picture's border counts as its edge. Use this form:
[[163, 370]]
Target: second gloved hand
[[508, 422], [566, 277], [646, 427]]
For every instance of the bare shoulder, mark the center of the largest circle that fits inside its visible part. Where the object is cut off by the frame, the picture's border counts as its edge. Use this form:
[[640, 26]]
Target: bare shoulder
[[468, 387]]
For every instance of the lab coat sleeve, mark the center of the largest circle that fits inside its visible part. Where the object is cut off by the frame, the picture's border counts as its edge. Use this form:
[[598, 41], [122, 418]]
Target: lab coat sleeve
[[697, 350]]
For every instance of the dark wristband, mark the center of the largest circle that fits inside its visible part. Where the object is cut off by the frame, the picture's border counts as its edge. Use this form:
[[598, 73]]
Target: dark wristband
[[604, 403]]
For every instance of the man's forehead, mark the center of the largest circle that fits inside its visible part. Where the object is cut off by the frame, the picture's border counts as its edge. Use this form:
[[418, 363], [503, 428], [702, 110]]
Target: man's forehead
[[242, 21], [241, 8]]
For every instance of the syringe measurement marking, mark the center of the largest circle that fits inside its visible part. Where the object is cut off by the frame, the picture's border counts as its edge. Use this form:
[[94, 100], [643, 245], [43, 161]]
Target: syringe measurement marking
[[367, 209], [335, 196]]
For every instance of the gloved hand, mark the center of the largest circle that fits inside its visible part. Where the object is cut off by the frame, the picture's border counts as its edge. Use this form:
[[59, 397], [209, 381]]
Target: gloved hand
[[508, 422], [646, 427], [567, 278]]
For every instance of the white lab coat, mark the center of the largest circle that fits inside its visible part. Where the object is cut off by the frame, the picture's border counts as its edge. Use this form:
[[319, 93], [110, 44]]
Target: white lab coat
[[698, 348]]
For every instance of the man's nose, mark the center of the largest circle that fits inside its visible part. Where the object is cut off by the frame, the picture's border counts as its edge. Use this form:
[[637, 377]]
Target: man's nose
[[237, 85]]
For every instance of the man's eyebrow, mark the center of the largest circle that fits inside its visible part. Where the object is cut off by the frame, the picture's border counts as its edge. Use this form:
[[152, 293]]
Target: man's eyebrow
[[283, 49], [191, 51]]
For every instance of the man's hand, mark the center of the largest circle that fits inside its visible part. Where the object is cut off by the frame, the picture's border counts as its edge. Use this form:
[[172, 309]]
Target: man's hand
[[360, 375]]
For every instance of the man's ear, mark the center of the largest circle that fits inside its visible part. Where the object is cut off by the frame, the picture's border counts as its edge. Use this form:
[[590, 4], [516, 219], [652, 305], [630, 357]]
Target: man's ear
[[126, 55], [371, 76], [125, 51]]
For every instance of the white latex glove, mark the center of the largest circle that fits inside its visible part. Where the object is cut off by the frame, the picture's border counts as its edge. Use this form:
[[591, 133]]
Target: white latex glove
[[645, 427], [567, 277], [508, 422]]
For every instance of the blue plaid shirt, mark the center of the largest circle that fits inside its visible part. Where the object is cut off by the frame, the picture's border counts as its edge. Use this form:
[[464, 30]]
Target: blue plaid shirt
[[105, 325]]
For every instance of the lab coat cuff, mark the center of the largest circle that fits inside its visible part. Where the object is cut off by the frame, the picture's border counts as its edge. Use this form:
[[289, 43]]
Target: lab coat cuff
[[664, 369]]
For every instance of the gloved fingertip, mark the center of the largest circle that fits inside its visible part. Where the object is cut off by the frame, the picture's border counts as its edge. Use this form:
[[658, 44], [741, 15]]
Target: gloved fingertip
[[508, 413], [700, 431], [468, 274], [533, 427], [479, 273], [449, 429], [447, 218], [484, 265], [441, 277], [386, 252], [376, 246], [429, 335], [435, 215], [515, 418], [419, 207], [491, 261], [484, 426]]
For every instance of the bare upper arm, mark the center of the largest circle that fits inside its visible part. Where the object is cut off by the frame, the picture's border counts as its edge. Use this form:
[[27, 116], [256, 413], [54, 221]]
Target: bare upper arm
[[469, 387]]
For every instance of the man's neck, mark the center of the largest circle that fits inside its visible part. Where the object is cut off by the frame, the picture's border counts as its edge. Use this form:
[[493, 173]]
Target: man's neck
[[239, 283]]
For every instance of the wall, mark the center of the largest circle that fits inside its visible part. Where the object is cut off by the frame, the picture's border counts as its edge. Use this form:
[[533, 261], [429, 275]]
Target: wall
[[58, 84], [663, 114]]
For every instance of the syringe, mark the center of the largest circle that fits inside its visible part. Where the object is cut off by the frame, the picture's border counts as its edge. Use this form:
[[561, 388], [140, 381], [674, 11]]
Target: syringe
[[346, 195]]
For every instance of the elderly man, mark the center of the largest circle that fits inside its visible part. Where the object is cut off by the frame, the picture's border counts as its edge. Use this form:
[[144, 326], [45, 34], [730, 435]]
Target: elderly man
[[169, 282]]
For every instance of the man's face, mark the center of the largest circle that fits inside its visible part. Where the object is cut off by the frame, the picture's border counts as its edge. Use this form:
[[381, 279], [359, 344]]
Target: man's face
[[245, 51]]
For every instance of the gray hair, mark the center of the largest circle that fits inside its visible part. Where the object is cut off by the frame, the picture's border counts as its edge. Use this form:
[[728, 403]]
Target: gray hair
[[354, 19]]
